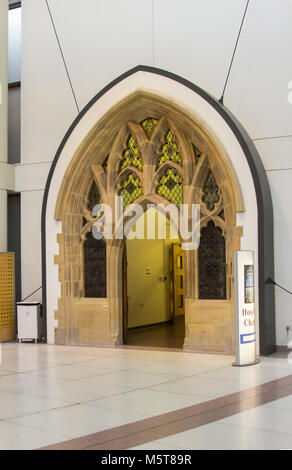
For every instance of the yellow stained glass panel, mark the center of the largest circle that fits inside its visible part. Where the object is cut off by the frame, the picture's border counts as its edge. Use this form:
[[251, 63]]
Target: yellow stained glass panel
[[170, 151], [131, 156], [149, 126], [171, 187], [131, 189]]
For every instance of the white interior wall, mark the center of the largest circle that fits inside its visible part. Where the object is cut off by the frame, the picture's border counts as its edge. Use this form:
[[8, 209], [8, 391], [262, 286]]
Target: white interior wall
[[257, 94], [31, 206], [47, 103], [3, 121], [102, 40], [14, 45], [194, 39], [3, 80]]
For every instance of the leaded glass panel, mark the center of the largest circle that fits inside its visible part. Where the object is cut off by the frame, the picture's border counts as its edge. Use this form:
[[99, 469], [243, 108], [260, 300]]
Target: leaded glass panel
[[149, 126], [131, 156], [210, 192], [131, 189], [169, 151], [171, 187]]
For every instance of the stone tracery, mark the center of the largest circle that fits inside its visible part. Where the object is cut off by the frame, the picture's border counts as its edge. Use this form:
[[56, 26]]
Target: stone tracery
[[204, 178]]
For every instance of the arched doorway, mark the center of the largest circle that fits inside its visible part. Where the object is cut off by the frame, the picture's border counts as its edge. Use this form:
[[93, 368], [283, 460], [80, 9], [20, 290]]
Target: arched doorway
[[156, 158], [153, 284], [85, 155]]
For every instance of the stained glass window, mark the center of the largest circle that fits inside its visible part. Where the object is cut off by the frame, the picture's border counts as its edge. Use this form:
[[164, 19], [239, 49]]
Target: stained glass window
[[149, 125], [131, 189], [94, 197], [197, 153], [169, 151], [131, 155], [171, 187], [210, 191], [212, 263]]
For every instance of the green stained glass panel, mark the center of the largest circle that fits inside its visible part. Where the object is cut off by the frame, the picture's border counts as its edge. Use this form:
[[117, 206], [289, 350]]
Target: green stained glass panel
[[149, 125], [131, 156], [171, 187], [197, 153], [131, 189], [210, 192], [169, 151]]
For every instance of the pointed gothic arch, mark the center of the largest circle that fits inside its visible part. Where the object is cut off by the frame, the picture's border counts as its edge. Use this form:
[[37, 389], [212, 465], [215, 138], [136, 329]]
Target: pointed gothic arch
[[103, 143], [158, 166]]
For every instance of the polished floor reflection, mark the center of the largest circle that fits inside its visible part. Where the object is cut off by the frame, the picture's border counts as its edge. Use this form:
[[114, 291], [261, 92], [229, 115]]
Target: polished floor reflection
[[50, 394]]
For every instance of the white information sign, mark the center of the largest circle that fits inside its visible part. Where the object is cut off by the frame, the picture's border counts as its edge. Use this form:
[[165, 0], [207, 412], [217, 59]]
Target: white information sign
[[245, 324]]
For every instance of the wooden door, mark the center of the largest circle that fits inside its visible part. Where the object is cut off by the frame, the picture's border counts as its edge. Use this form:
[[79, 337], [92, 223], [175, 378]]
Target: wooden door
[[125, 298], [178, 280]]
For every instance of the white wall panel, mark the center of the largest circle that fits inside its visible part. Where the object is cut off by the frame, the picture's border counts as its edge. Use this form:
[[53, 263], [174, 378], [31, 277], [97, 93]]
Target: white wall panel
[[275, 153], [31, 279], [14, 45], [3, 79], [31, 177], [48, 107], [14, 124], [196, 39], [7, 176], [101, 40], [280, 182], [258, 87]]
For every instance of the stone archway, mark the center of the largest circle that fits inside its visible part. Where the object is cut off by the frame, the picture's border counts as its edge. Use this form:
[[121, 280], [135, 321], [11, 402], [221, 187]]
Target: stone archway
[[103, 117], [83, 320]]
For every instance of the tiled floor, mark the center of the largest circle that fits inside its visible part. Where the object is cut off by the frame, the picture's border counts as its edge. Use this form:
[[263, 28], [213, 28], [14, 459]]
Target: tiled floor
[[50, 394]]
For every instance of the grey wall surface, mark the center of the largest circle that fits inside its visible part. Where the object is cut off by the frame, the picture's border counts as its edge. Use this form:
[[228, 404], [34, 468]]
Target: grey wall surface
[[14, 125], [14, 238]]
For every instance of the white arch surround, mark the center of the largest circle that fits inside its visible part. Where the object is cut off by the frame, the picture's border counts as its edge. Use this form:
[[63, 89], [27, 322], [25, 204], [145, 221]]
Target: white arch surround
[[195, 106]]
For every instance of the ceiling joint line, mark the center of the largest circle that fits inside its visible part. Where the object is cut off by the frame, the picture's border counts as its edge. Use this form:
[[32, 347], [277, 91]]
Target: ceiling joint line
[[234, 52], [62, 55]]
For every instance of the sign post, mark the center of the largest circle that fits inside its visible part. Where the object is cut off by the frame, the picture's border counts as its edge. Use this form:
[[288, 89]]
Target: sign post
[[245, 325]]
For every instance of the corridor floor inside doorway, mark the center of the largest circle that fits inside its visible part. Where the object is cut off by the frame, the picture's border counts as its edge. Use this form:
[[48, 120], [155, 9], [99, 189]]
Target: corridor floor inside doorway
[[168, 335]]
